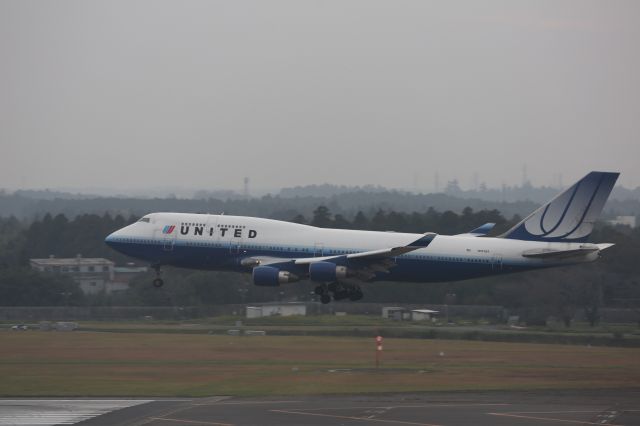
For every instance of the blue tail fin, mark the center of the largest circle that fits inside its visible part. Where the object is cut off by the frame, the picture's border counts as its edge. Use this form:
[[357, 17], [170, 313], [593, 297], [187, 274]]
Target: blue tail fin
[[570, 216]]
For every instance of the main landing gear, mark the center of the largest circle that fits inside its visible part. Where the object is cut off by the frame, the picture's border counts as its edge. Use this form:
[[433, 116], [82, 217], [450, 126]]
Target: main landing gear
[[158, 282], [339, 291]]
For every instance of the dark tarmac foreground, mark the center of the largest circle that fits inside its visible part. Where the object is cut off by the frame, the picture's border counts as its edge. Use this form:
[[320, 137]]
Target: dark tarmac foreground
[[604, 407]]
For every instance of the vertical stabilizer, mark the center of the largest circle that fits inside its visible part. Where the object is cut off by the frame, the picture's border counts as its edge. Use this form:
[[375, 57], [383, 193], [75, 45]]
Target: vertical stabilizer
[[570, 216]]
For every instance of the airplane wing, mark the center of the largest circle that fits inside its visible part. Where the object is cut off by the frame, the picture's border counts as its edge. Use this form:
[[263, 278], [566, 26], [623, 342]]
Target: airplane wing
[[365, 264], [479, 231], [421, 242]]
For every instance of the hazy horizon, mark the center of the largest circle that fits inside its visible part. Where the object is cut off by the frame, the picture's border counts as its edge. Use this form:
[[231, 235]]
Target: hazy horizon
[[163, 94], [192, 192]]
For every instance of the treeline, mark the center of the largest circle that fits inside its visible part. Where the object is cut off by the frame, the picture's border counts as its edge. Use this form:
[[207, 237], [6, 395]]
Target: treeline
[[348, 203], [612, 281], [447, 223], [58, 236]]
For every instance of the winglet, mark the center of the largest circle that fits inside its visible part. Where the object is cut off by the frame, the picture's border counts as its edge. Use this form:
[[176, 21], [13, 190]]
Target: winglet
[[484, 229], [479, 231]]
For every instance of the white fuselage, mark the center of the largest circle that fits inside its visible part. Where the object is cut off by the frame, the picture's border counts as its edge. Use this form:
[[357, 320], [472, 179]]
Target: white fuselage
[[221, 242]]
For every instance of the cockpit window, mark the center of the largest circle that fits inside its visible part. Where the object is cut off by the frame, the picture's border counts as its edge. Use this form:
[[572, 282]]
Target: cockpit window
[[145, 219]]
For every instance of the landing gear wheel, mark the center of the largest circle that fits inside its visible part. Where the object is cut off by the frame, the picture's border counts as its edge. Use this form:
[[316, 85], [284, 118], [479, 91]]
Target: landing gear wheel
[[340, 295], [325, 298], [157, 283], [357, 295], [319, 290]]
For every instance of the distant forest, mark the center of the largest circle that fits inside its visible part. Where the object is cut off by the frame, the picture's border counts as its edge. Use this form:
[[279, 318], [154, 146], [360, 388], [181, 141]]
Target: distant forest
[[346, 201], [612, 281]]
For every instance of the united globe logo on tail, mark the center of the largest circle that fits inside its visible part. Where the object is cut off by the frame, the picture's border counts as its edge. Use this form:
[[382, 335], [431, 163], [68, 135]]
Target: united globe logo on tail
[[168, 229], [570, 216]]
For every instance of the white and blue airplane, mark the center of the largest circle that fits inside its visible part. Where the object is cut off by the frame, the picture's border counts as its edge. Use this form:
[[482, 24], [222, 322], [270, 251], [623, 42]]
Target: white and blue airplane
[[278, 252]]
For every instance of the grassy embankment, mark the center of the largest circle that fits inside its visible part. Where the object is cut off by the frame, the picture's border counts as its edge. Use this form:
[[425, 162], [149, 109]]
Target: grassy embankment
[[626, 335], [36, 363]]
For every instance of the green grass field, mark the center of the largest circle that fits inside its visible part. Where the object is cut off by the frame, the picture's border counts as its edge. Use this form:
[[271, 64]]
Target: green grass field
[[37, 363]]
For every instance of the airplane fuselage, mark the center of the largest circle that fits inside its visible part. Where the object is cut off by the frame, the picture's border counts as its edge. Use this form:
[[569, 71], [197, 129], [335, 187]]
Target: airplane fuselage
[[221, 242]]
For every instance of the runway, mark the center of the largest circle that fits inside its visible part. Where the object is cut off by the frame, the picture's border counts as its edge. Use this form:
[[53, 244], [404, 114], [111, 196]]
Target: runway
[[44, 412], [606, 407]]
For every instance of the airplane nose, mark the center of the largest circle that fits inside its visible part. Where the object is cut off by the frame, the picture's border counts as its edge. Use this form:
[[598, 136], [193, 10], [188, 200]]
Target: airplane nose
[[112, 239]]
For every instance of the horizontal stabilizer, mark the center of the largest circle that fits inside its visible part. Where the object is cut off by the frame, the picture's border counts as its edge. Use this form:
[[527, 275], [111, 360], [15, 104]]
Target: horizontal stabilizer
[[604, 246], [559, 254]]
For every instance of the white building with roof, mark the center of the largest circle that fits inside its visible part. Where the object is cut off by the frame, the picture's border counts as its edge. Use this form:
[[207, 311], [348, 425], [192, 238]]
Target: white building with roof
[[283, 309], [94, 274], [422, 314]]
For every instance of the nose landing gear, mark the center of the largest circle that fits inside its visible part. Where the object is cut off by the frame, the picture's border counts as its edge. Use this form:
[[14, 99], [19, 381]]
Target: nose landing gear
[[158, 282]]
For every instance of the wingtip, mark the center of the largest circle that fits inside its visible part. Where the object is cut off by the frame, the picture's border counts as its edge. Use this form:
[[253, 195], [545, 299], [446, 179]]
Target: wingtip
[[424, 241]]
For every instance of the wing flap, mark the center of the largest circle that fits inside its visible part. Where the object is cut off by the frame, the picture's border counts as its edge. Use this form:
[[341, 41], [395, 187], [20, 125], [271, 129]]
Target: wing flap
[[253, 261]]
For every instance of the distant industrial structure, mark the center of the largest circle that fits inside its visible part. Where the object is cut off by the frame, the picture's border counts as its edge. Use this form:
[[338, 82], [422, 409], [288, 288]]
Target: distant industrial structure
[[245, 188], [94, 275], [629, 221]]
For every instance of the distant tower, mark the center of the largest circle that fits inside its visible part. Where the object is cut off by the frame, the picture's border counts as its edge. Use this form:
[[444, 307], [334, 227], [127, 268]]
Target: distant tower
[[245, 191]]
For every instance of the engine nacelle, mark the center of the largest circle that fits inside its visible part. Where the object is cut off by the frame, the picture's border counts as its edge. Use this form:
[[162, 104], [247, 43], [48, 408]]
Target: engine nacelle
[[272, 277], [326, 271]]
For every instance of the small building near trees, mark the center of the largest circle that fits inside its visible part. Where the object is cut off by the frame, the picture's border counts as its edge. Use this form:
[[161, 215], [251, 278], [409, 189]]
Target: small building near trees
[[280, 309], [423, 314], [94, 275]]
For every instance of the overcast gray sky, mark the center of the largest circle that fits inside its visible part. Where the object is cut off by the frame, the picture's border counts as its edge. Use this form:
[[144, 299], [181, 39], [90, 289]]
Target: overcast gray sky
[[198, 94]]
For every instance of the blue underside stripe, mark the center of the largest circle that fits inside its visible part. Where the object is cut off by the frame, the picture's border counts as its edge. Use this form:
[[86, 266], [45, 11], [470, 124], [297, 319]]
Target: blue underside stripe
[[410, 267]]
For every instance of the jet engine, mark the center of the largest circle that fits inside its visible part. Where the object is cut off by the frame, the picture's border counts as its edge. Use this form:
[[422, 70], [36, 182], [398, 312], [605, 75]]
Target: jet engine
[[327, 271], [272, 277]]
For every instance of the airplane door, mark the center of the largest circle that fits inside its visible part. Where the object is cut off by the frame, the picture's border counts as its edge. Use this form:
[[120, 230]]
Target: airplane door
[[318, 249], [235, 245], [166, 236], [168, 243], [496, 262]]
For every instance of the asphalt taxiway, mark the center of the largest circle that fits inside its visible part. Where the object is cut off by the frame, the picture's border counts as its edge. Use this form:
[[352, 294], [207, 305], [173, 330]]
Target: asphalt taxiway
[[602, 407]]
